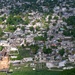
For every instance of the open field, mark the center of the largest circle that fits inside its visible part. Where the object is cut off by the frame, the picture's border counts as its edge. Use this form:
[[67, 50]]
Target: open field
[[44, 72], [26, 70], [2, 73], [36, 73], [29, 71]]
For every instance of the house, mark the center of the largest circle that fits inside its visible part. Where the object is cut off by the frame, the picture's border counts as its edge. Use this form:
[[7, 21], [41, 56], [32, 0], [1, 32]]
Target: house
[[62, 63], [56, 9], [13, 57], [1, 26], [49, 65], [4, 43], [64, 68], [32, 65], [28, 59], [71, 58], [45, 8], [32, 13], [16, 41], [29, 38], [19, 41], [68, 38], [7, 34], [18, 32], [47, 18], [13, 49], [64, 9], [16, 62]]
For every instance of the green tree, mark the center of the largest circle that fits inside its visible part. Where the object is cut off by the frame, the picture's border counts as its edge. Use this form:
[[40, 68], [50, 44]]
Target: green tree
[[73, 32], [1, 32], [39, 38], [32, 28], [2, 19], [1, 47], [66, 32], [14, 20], [34, 48], [10, 28], [62, 51], [51, 37], [37, 28], [71, 20], [47, 50], [56, 18], [23, 28], [26, 21]]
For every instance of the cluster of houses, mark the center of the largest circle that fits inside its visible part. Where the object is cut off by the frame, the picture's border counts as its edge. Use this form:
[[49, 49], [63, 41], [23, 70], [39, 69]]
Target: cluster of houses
[[26, 37]]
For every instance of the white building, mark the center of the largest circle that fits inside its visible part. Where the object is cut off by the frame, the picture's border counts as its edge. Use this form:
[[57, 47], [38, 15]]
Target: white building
[[4, 43], [71, 58], [28, 59], [49, 65], [62, 63], [29, 38]]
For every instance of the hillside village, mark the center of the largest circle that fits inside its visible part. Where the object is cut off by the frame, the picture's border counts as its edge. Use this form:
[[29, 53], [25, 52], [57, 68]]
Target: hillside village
[[38, 36]]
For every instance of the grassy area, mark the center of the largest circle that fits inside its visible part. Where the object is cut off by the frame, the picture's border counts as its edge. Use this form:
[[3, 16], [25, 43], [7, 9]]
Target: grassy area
[[24, 53], [28, 71], [25, 69], [2, 73], [43, 72]]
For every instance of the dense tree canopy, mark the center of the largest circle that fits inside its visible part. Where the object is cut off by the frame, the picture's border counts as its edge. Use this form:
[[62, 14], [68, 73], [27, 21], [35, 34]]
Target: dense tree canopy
[[47, 50], [71, 20], [10, 28], [14, 20], [39, 38], [62, 51], [34, 48]]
